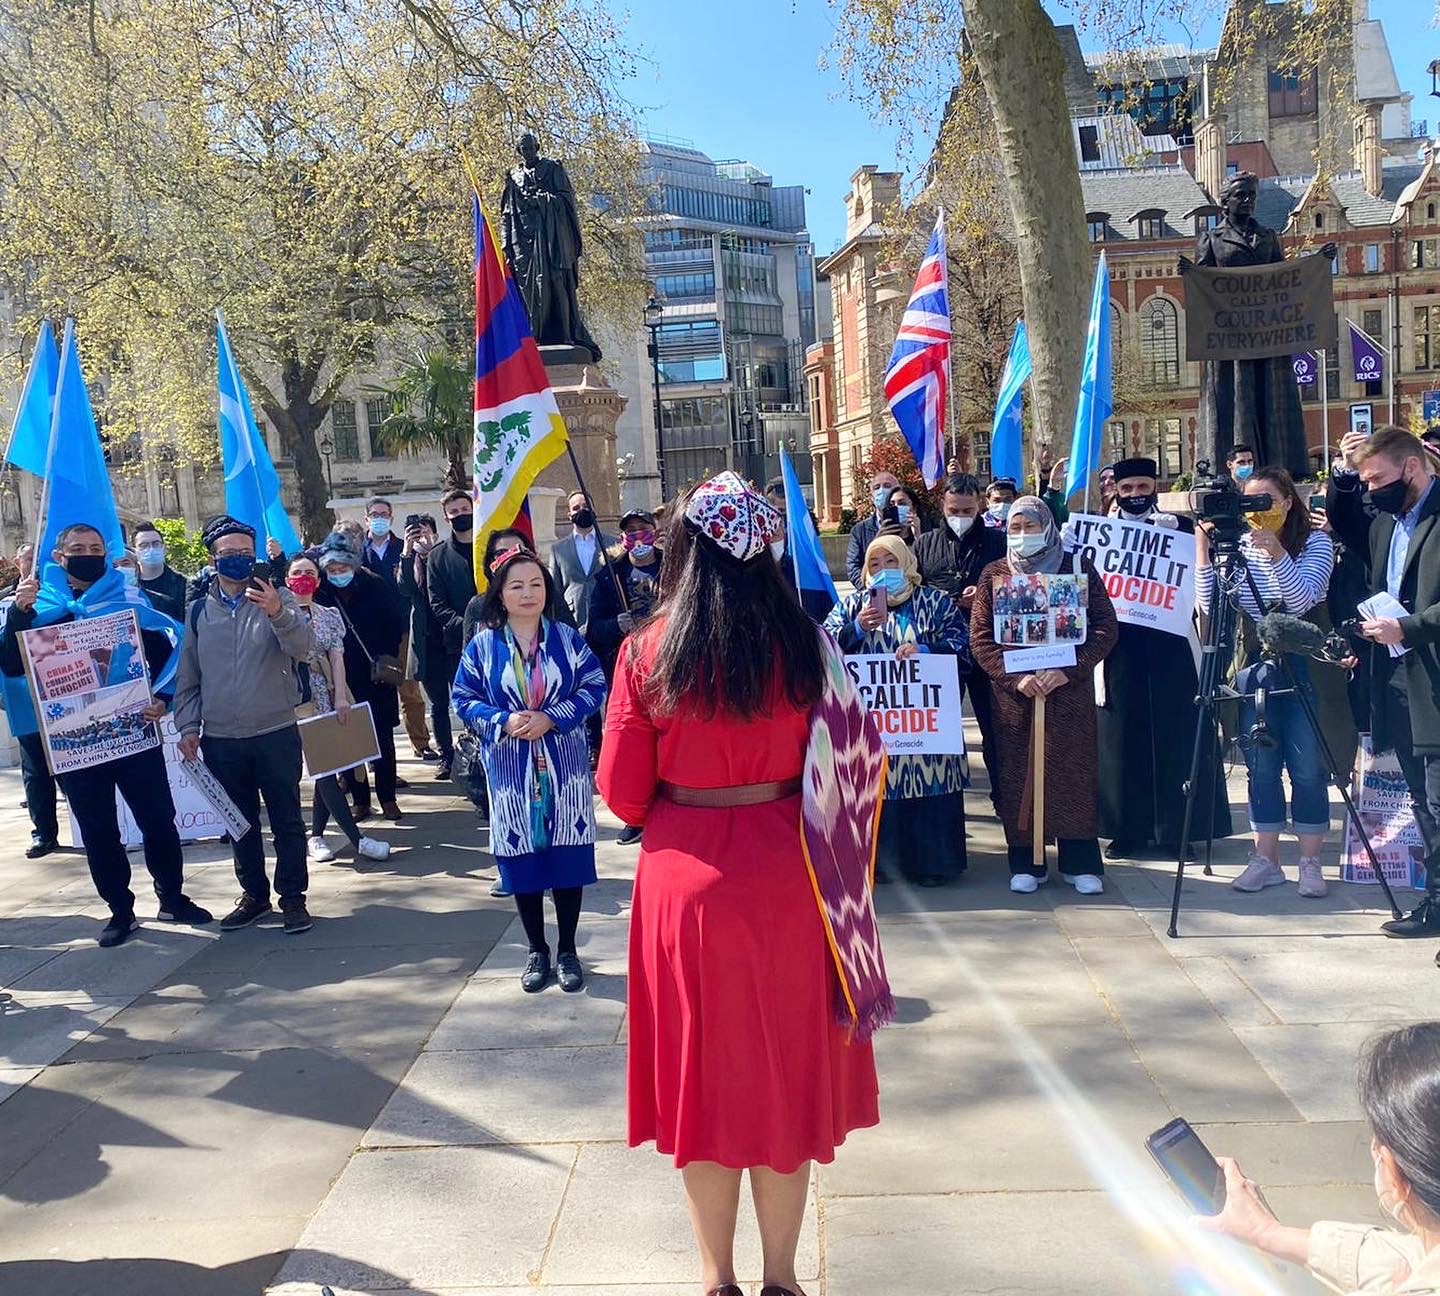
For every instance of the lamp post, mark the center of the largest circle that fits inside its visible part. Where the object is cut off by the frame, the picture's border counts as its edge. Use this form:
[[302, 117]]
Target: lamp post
[[327, 448], [1396, 252], [654, 314]]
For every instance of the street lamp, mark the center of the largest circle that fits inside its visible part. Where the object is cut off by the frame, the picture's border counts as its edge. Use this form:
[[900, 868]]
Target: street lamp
[[327, 448], [654, 314]]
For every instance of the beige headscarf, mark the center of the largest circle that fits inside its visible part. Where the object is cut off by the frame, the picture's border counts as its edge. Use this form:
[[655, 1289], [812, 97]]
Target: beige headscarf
[[902, 553]]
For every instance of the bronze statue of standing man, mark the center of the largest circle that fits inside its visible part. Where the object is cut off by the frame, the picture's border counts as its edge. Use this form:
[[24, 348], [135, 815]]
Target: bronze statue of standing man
[[540, 231], [1253, 403]]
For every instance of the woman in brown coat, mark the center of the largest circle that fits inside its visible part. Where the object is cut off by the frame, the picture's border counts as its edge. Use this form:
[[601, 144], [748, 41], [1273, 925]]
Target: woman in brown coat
[[1071, 758]]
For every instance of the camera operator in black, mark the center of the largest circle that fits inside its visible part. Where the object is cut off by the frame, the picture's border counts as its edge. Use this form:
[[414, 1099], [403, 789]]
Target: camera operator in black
[[1404, 547]]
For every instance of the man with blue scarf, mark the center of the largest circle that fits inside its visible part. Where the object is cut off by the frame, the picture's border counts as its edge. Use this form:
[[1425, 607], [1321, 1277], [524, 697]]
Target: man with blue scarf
[[81, 583]]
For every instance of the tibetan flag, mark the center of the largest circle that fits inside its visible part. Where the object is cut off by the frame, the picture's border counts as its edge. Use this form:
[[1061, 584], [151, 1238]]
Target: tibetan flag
[[1368, 354], [1006, 459], [1097, 400], [252, 487], [30, 437], [518, 428]]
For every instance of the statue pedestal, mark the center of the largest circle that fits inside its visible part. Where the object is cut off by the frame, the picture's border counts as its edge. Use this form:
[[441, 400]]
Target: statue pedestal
[[590, 408]]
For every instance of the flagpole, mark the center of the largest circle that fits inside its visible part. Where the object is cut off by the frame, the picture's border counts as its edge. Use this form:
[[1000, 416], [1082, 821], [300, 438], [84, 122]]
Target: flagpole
[[1324, 407], [949, 354], [65, 349], [599, 537]]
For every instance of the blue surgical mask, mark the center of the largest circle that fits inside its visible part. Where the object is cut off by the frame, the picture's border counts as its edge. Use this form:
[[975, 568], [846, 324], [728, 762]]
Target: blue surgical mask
[[152, 557], [379, 526], [130, 576], [340, 579], [1242, 471], [892, 578], [1026, 546], [999, 511], [902, 511], [881, 496]]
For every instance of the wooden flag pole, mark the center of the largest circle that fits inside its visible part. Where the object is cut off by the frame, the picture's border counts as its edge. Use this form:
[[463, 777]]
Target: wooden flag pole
[[1037, 748]]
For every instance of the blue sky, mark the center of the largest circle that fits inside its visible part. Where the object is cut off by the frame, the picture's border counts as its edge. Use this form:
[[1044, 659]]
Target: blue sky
[[741, 79]]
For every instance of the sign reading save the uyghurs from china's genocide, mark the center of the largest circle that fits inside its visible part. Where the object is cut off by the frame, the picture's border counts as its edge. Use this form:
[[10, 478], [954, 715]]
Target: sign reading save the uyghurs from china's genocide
[[1250, 312], [915, 702], [1149, 571]]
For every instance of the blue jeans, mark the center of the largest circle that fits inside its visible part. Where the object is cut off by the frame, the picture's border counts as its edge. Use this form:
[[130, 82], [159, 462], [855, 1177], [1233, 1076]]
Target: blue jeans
[[1296, 751]]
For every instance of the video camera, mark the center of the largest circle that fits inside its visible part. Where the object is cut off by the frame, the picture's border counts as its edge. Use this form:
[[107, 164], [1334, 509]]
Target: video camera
[[1214, 498]]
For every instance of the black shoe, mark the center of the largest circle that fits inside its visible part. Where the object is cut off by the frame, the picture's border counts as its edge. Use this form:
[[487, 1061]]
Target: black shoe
[[537, 972], [570, 973], [40, 847], [428, 755], [117, 930], [184, 910], [362, 812], [247, 909], [1423, 920], [297, 917], [1120, 849], [401, 783], [630, 835], [442, 770]]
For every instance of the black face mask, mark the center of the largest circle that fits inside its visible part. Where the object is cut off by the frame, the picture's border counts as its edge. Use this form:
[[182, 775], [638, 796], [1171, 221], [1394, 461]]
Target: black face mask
[[462, 523], [583, 518], [1391, 497], [1136, 504], [88, 568]]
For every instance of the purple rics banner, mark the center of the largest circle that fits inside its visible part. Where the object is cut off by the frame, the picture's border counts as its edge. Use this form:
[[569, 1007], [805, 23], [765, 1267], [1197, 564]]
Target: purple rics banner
[[1255, 312], [1305, 367], [1368, 357]]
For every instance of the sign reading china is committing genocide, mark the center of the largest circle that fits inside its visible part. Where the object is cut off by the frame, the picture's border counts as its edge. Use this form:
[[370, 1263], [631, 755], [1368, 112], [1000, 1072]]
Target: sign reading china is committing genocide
[[1250, 312]]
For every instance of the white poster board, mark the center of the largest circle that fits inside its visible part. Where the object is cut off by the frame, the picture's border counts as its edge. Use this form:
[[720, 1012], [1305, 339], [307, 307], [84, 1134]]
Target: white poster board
[[1148, 570], [1382, 798], [195, 818], [915, 702]]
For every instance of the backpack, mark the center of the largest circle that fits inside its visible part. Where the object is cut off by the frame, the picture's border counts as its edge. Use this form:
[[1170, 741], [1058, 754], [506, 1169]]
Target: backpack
[[302, 668]]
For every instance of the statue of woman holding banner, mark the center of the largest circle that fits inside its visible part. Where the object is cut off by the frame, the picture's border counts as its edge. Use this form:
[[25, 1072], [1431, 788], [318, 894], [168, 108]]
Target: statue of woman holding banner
[[1248, 402]]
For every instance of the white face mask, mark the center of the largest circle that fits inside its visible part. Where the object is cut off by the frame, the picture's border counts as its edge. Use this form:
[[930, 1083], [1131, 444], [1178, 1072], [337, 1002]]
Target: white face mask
[[1027, 546], [999, 511], [959, 525], [777, 549]]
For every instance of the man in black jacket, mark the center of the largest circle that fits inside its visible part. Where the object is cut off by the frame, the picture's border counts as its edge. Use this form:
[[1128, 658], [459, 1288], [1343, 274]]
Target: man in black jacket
[[951, 558], [451, 572], [427, 657], [164, 585], [1403, 541]]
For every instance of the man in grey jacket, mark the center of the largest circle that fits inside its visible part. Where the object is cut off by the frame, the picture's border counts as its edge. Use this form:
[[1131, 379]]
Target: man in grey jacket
[[235, 702]]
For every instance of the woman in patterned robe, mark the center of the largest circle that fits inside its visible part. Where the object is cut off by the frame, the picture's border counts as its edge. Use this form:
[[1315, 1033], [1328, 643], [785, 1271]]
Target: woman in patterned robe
[[922, 825]]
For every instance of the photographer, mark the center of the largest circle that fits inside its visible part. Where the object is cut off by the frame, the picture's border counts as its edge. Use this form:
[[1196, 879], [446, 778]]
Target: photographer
[[1404, 565], [1289, 563]]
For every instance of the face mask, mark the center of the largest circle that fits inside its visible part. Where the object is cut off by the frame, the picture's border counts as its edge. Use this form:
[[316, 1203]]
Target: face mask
[[1025, 546], [959, 525], [235, 567], [902, 511], [999, 511], [777, 549], [583, 518], [892, 578], [1271, 519], [380, 526], [1136, 504], [641, 551], [462, 523], [881, 496], [303, 584], [1391, 497], [1242, 472], [340, 579], [130, 576], [636, 541], [152, 557]]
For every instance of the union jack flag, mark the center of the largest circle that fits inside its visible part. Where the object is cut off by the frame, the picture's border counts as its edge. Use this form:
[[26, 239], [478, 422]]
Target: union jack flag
[[918, 376]]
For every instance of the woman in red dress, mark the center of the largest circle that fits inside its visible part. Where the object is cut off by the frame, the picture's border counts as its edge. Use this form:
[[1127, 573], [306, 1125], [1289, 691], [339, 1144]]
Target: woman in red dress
[[738, 1058]]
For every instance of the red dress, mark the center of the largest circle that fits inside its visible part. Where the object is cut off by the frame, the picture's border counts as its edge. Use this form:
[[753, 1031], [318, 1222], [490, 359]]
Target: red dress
[[735, 1055]]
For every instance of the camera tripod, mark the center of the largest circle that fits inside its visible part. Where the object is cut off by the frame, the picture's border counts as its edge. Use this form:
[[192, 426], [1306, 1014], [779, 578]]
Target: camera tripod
[[1220, 627]]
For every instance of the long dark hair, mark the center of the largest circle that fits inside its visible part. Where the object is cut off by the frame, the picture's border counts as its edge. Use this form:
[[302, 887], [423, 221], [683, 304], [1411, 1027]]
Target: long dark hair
[[498, 537], [492, 610], [1400, 1094], [1298, 525], [725, 628]]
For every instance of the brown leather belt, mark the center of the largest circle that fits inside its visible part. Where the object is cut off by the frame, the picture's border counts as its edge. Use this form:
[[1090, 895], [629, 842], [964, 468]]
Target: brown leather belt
[[720, 798]]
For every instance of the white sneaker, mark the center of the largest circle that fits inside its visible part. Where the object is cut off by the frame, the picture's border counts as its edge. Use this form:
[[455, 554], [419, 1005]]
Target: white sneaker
[[1259, 873], [318, 851], [1312, 880], [1086, 883], [372, 849], [1024, 883]]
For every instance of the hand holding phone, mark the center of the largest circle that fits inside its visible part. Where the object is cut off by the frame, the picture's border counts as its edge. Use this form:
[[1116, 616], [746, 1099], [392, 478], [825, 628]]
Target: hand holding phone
[[1187, 1163]]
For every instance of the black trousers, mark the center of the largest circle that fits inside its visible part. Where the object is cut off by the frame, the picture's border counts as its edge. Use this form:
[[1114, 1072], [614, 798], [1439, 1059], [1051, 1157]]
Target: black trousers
[[436, 684], [385, 708], [39, 787], [142, 781], [330, 800], [267, 766], [1077, 856], [1422, 775]]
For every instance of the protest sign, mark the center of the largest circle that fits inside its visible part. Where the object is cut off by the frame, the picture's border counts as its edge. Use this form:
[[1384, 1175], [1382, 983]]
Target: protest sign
[[1032, 609], [1382, 798], [1251, 312], [915, 702], [90, 684], [1149, 571], [330, 746], [1026, 661]]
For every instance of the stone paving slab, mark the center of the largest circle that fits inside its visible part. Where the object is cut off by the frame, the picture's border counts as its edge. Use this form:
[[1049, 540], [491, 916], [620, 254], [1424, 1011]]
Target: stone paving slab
[[493, 1013], [1315, 1064], [36, 1027]]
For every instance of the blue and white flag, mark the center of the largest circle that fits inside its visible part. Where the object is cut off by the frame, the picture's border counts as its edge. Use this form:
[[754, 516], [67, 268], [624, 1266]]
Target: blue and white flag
[[812, 572], [1006, 456], [252, 487], [30, 437], [1097, 401]]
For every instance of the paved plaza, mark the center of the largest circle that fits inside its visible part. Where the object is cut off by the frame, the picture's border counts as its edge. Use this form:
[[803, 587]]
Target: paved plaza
[[375, 1105]]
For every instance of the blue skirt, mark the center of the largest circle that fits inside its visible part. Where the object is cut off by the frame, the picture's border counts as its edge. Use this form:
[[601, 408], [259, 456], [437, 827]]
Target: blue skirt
[[557, 866]]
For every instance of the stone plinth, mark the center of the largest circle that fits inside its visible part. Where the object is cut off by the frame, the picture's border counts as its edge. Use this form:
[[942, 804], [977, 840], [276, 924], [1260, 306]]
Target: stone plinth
[[591, 408]]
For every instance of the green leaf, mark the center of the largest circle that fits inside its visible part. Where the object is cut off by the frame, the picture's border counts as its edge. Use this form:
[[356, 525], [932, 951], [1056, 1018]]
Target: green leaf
[[518, 421]]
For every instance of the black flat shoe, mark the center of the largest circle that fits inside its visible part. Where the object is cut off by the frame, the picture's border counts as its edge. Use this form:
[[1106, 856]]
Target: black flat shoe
[[1423, 920], [726, 1289], [537, 973], [1123, 850], [569, 973]]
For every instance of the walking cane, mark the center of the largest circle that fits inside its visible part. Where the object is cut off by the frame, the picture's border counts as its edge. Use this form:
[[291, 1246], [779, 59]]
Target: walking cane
[[1037, 748]]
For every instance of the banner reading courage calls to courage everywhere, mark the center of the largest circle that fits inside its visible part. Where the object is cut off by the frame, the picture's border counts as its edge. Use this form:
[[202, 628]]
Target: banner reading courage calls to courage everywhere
[[1149, 571], [1250, 312]]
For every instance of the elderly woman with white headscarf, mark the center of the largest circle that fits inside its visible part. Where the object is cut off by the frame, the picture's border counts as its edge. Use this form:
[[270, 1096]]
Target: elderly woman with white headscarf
[[1033, 614], [922, 824]]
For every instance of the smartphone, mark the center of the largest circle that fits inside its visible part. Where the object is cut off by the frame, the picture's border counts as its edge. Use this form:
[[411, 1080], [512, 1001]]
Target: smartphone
[[412, 520], [876, 597], [1317, 503], [890, 514], [1187, 1163]]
